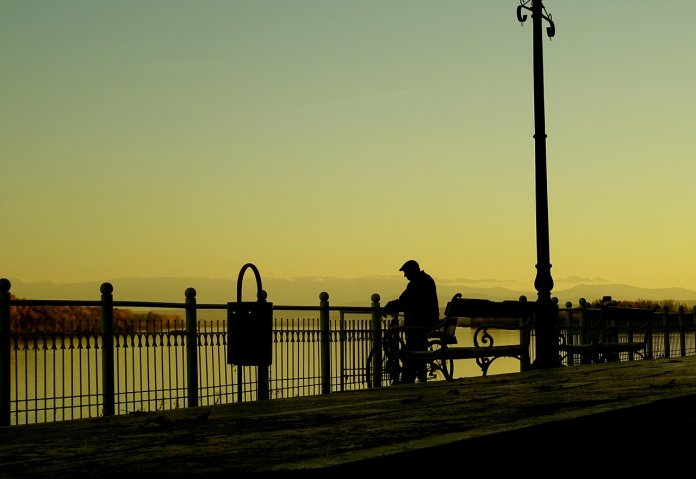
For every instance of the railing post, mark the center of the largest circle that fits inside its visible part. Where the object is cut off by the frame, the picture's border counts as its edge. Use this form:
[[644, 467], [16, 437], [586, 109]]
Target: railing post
[[649, 340], [325, 343], [525, 340], [570, 360], [107, 327], [342, 339], [191, 348], [376, 341], [666, 328], [585, 333], [5, 382], [693, 325], [553, 341], [682, 332]]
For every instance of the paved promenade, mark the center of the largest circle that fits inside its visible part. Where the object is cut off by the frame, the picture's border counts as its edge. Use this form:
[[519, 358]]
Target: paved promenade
[[625, 417]]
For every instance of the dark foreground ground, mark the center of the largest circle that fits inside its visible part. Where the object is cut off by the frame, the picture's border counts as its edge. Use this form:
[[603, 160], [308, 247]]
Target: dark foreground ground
[[629, 418]]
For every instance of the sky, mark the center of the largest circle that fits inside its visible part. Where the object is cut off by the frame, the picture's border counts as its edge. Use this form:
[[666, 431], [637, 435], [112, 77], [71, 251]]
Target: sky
[[169, 138]]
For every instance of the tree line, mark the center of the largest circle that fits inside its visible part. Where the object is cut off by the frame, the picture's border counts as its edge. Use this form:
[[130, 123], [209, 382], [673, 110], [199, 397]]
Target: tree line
[[86, 320], [668, 305]]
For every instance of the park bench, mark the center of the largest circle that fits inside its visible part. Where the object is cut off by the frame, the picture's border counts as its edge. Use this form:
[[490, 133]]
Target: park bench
[[486, 316], [610, 334]]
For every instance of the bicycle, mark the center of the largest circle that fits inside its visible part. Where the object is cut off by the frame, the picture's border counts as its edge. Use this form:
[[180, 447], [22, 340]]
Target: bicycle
[[394, 352]]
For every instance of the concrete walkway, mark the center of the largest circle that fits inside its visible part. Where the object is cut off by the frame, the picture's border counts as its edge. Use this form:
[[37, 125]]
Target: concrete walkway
[[619, 417]]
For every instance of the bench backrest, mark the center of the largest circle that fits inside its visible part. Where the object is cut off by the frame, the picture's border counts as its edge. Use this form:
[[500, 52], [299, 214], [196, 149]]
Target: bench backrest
[[503, 313], [634, 316], [596, 321], [606, 333], [630, 321]]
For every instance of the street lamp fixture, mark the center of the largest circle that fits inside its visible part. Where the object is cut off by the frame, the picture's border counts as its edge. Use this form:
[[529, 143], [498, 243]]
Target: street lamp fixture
[[546, 354]]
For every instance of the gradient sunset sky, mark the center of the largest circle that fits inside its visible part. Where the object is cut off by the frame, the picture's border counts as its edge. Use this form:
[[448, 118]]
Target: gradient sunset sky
[[167, 138]]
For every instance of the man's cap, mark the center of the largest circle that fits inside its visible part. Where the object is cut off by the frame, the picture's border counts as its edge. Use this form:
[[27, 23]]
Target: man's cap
[[410, 265]]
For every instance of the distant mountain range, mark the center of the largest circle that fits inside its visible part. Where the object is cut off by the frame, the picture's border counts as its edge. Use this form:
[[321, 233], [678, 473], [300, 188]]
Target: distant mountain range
[[304, 291]]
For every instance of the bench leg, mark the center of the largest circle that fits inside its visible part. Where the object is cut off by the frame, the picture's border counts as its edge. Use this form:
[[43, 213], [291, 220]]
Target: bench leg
[[484, 363]]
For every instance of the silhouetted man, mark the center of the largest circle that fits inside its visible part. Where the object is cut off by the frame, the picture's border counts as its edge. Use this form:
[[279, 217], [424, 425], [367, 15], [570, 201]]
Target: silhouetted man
[[420, 307]]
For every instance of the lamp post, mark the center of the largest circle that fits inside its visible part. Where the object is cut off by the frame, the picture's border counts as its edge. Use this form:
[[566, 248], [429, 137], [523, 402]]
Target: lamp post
[[546, 354]]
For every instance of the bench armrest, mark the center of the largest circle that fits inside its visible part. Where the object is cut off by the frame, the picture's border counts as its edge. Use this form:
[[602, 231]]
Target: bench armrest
[[484, 338]]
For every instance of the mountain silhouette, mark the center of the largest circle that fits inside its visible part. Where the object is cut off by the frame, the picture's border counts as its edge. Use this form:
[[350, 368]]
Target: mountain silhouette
[[304, 291]]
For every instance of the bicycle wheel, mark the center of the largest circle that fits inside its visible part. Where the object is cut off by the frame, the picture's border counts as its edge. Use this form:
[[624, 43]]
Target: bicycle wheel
[[390, 365]]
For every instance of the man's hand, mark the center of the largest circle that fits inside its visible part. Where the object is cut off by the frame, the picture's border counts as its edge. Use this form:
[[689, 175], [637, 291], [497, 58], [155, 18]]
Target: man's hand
[[391, 307]]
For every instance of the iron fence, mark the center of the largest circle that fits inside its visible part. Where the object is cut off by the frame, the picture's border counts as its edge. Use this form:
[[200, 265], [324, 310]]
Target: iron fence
[[55, 373]]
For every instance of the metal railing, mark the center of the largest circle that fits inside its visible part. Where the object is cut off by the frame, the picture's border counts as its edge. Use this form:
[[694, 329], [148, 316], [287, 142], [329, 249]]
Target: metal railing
[[673, 333], [54, 373]]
